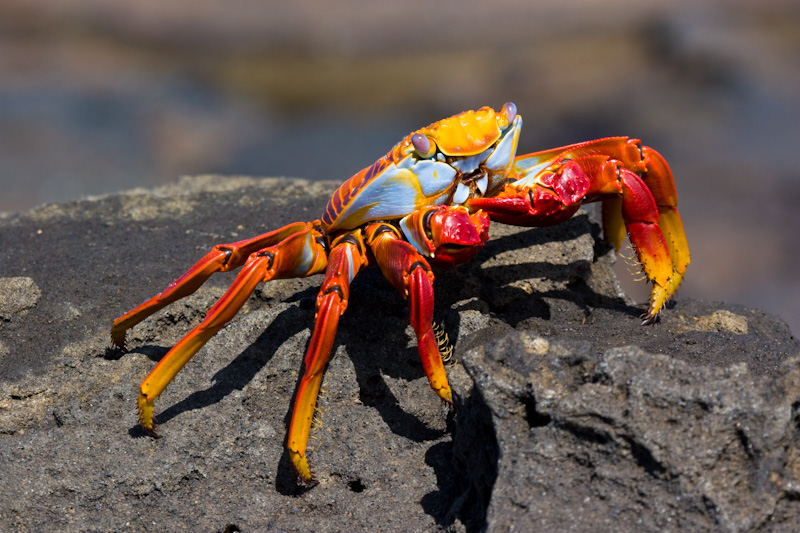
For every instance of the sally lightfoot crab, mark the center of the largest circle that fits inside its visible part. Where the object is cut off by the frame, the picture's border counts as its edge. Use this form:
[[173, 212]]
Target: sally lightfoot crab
[[429, 201]]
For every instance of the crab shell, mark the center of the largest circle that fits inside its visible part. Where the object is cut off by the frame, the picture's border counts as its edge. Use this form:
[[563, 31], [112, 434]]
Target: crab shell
[[469, 154]]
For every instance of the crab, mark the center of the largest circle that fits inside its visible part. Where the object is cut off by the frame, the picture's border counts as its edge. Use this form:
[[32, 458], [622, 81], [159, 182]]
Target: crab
[[429, 202]]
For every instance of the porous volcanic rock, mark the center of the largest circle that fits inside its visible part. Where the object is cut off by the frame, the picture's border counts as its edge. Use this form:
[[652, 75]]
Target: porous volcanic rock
[[569, 415]]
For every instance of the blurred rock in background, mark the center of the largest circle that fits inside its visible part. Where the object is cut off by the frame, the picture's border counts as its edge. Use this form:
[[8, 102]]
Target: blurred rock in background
[[98, 96]]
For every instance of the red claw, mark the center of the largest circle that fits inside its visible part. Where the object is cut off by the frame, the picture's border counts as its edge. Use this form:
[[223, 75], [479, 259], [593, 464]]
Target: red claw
[[457, 227], [457, 235], [570, 183]]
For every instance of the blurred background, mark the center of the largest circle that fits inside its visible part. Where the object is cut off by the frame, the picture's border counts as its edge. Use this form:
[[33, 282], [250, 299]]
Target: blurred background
[[98, 96]]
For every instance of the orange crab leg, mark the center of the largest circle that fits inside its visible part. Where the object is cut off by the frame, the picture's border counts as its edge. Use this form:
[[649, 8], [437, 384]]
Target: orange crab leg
[[640, 213], [659, 180], [299, 255], [346, 258], [222, 258], [635, 203], [636, 187], [410, 274], [642, 160]]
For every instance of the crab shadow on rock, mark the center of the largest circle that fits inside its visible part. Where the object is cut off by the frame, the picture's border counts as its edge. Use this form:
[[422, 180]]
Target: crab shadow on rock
[[240, 371], [510, 303]]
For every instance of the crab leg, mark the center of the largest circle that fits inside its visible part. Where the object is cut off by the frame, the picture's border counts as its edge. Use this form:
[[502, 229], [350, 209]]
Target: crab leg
[[222, 258], [638, 194], [629, 205], [346, 258], [640, 213], [298, 255], [409, 272], [642, 160], [659, 181]]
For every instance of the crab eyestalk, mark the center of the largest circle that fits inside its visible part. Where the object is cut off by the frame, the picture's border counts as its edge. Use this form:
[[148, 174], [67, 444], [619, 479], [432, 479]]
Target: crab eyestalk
[[424, 147], [507, 115]]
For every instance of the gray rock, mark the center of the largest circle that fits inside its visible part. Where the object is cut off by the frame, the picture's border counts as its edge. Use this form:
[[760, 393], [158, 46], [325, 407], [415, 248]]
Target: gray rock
[[625, 440], [561, 421], [17, 295]]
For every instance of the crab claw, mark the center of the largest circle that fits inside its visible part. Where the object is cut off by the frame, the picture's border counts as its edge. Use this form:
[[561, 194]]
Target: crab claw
[[448, 235], [550, 199]]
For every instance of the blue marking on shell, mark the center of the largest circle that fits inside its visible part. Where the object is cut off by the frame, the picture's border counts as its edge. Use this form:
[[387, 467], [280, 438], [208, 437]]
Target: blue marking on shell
[[434, 177], [398, 190], [506, 147]]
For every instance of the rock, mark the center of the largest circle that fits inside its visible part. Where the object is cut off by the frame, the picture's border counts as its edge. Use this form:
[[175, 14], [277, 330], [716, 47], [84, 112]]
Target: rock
[[625, 440], [569, 414], [17, 295]]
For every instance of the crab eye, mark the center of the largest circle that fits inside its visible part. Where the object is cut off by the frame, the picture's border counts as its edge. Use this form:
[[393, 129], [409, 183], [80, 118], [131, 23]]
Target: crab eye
[[508, 114], [423, 145]]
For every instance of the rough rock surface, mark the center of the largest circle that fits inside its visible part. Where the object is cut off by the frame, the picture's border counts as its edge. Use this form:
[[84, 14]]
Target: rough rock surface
[[570, 416]]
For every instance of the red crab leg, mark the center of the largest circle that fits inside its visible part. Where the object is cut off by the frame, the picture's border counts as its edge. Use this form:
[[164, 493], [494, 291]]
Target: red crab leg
[[299, 255], [655, 173], [628, 204], [660, 182], [640, 214], [222, 258], [346, 258], [638, 194], [411, 275]]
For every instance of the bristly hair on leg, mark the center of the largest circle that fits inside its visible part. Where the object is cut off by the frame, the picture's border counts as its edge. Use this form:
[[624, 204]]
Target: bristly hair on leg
[[635, 268], [445, 348], [316, 419], [628, 255]]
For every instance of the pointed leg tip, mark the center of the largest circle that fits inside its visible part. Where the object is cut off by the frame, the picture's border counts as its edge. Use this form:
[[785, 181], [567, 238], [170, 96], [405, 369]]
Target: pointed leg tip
[[305, 474], [151, 432], [147, 419], [659, 299], [309, 483], [650, 318], [118, 340], [446, 394]]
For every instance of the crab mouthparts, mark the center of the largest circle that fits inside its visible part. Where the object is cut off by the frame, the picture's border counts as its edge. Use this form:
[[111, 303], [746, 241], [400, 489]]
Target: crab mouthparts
[[470, 185]]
